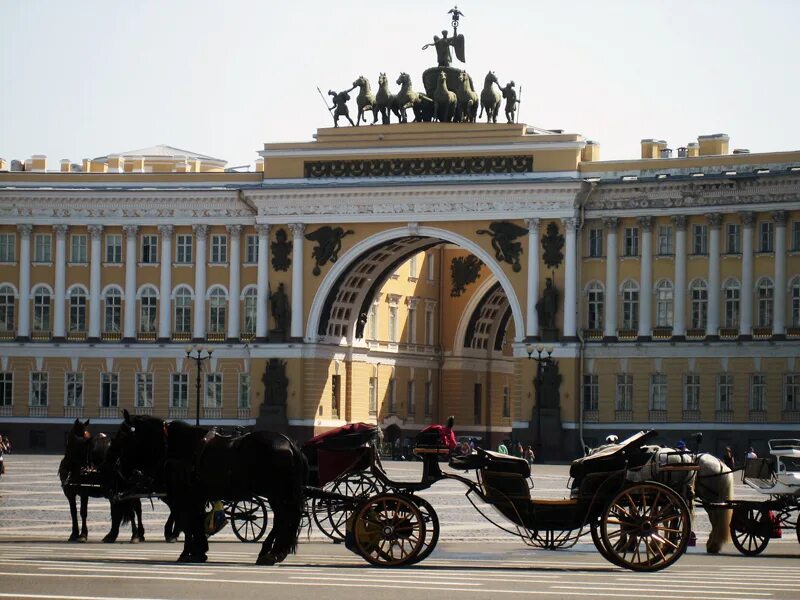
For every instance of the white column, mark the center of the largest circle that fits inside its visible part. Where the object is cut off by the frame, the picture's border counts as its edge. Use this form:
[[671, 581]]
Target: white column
[[200, 233], [746, 292], [60, 287], [234, 282], [24, 323], [262, 283], [297, 279], [165, 284], [714, 283], [95, 282], [129, 329], [679, 315], [570, 280], [779, 291], [646, 279], [612, 285], [531, 318]]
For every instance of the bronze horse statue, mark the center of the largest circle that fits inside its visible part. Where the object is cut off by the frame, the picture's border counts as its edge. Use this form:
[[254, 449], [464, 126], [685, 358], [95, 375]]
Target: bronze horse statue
[[365, 100], [444, 101], [385, 101], [407, 98], [467, 100], [490, 98]]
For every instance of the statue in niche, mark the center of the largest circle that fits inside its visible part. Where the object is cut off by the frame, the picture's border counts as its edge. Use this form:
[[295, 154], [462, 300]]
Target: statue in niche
[[329, 242], [279, 306], [281, 249], [553, 244], [547, 305], [276, 383], [464, 270], [505, 248], [547, 384]]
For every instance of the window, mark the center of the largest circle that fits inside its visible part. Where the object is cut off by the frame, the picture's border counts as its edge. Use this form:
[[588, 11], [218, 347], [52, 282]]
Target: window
[[630, 305], [114, 249], [412, 267], [795, 302], [591, 393], [428, 398], [699, 239], [477, 403], [219, 249], [595, 243], [665, 240], [149, 249], [42, 252], [183, 250], [658, 392], [113, 311], [38, 395], [411, 323], [179, 390], [429, 329], [631, 247], [6, 389], [392, 392], [373, 395], [77, 250], [431, 266], [7, 305], [699, 300], [213, 390], [251, 249], [74, 395], [41, 309], [765, 236], [183, 310], [216, 311], [144, 390], [725, 392], [373, 322], [148, 307], [791, 392], [506, 401], [7, 247], [109, 390], [244, 390], [77, 310], [764, 293], [250, 310], [758, 392], [336, 395], [624, 398], [392, 323], [664, 303], [410, 400], [732, 291], [733, 238], [595, 303], [795, 242], [691, 392]]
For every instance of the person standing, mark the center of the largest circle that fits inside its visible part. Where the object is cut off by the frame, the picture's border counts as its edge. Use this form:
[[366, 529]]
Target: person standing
[[502, 449], [529, 455], [751, 454], [728, 458]]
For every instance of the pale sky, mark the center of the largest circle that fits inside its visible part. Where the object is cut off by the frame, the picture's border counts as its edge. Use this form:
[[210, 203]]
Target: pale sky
[[85, 78]]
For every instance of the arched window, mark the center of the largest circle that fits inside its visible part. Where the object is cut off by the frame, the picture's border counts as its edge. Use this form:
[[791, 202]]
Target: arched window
[[764, 295], [183, 310], [595, 305], [630, 305], [77, 310], [664, 303], [41, 308], [698, 293], [113, 311], [216, 310], [250, 308], [7, 304], [795, 308], [731, 293], [148, 310]]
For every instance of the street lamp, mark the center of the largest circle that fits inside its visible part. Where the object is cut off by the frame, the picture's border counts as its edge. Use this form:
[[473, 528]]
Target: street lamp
[[541, 363], [196, 354]]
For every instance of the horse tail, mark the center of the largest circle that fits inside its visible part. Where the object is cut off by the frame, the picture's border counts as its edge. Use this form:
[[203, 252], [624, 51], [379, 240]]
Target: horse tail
[[297, 501], [127, 511]]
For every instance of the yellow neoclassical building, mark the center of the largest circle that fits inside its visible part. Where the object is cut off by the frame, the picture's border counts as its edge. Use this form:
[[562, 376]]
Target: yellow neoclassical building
[[401, 273]]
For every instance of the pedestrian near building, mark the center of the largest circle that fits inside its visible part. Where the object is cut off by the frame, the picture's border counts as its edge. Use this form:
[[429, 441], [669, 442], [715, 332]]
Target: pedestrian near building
[[529, 455], [751, 453], [502, 449]]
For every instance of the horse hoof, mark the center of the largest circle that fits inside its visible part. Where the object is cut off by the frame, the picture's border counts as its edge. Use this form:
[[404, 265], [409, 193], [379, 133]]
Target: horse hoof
[[73, 538], [135, 540], [171, 540], [267, 560], [192, 558], [109, 539], [83, 539]]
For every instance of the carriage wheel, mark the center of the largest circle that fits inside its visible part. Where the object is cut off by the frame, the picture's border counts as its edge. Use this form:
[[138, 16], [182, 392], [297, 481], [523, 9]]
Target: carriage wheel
[[330, 515], [249, 519], [646, 527], [389, 530], [597, 538], [797, 529], [431, 529], [750, 530]]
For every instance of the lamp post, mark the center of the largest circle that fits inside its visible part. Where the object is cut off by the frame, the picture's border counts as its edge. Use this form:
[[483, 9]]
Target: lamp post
[[542, 362], [196, 354]]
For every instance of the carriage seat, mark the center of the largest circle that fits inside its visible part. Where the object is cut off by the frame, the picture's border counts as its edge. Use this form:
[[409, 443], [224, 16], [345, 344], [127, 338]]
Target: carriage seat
[[759, 472], [486, 460]]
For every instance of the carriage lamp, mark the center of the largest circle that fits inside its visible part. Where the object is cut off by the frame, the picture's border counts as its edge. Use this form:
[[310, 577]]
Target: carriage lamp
[[198, 354]]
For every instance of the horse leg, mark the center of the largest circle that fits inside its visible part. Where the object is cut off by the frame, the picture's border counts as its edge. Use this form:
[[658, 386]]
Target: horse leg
[[195, 545], [171, 529], [84, 536], [137, 511], [116, 518], [73, 511], [286, 529], [267, 556]]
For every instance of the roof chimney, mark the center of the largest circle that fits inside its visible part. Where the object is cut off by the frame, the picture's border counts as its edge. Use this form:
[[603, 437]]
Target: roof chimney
[[259, 165], [714, 144], [115, 163], [692, 149], [3, 164], [65, 165], [652, 148], [590, 152], [39, 163]]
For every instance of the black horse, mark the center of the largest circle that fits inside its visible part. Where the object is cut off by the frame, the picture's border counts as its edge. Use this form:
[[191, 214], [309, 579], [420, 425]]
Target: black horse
[[85, 472], [193, 465]]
